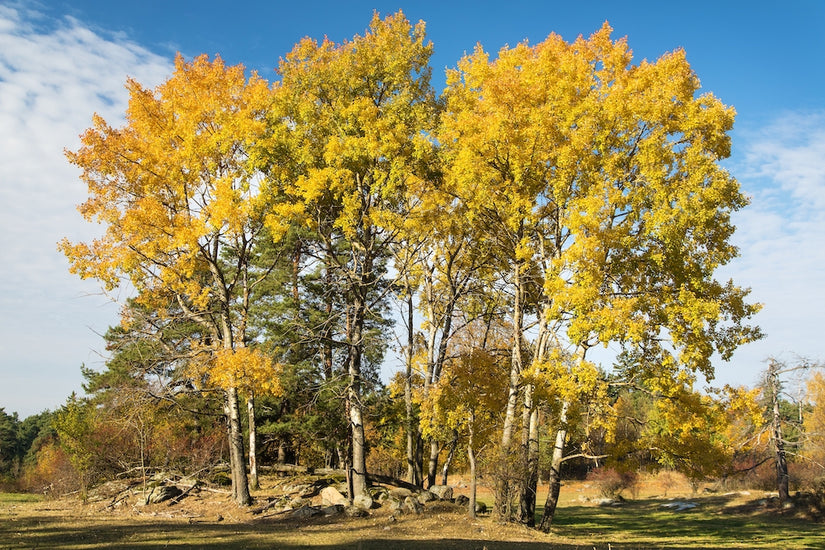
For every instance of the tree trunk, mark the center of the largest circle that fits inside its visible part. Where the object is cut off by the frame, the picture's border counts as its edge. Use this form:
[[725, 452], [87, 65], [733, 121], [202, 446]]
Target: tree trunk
[[530, 440], [432, 464], [354, 405], [446, 468], [281, 452], [471, 457], [503, 505], [414, 473], [237, 464], [253, 442], [555, 471], [782, 477]]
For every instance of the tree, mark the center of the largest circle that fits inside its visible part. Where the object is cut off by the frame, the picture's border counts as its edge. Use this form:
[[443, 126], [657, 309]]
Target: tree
[[599, 181], [468, 396], [9, 442], [813, 448], [773, 392], [177, 192], [74, 424], [349, 139]]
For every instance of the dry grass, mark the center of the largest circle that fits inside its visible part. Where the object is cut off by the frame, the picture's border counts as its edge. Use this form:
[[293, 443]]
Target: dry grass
[[209, 520]]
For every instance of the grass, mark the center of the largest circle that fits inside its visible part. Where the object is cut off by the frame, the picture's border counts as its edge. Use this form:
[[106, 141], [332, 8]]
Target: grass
[[717, 522], [12, 498], [646, 524]]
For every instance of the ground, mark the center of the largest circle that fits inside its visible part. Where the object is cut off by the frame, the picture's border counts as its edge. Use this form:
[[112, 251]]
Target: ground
[[207, 518]]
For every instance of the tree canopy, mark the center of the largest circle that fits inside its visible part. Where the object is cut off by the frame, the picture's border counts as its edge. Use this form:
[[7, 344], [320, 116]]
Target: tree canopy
[[557, 194]]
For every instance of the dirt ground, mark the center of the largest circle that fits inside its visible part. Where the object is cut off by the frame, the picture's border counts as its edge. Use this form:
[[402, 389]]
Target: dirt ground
[[116, 516]]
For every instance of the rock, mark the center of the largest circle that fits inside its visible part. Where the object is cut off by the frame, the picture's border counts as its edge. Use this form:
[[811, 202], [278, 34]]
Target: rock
[[362, 501], [305, 512], [442, 492], [298, 502], [400, 493], [332, 496], [334, 510], [396, 506], [426, 496], [379, 494], [413, 506], [162, 493], [314, 489], [462, 500], [678, 506], [356, 512]]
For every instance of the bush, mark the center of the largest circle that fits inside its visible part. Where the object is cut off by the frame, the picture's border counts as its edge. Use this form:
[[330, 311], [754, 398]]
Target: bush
[[50, 473], [611, 483]]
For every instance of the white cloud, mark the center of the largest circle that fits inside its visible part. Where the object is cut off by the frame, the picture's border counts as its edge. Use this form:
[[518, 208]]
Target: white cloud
[[781, 236], [54, 74]]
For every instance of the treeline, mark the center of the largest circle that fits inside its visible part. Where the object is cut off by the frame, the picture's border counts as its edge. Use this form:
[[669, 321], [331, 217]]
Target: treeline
[[134, 427], [550, 200]]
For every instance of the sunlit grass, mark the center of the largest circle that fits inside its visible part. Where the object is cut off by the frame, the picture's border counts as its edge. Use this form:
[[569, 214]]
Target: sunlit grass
[[717, 521], [11, 498], [646, 524]]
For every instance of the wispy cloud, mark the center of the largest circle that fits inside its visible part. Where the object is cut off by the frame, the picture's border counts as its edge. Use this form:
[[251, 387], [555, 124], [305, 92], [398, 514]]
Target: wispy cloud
[[54, 74], [781, 236]]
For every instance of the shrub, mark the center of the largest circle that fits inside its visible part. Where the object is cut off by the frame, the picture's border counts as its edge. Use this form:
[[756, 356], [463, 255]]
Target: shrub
[[611, 483]]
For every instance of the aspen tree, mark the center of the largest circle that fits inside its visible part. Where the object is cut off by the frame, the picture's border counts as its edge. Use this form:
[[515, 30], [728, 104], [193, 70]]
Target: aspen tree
[[350, 138], [176, 190], [601, 181]]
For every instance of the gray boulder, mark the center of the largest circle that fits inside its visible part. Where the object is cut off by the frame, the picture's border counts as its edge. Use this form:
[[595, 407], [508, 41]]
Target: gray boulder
[[363, 502], [442, 492], [162, 493], [332, 496], [305, 512], [412, 505], [334, 510]]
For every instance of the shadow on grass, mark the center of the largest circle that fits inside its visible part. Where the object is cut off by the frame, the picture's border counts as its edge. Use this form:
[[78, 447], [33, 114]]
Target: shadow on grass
[[708, 525], [53, 533], [635, 524]]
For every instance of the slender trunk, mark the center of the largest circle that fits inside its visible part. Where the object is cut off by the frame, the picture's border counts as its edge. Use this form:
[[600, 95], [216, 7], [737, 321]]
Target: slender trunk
[[326, 332], [471, 457], [414, 474], [253, 442], [437, 357], [530, 434], [237, 464], [359, 455], [432, 464], [554, 479], [281, 452], [503, 506], [530, 442], [446, 468], [782, 477]]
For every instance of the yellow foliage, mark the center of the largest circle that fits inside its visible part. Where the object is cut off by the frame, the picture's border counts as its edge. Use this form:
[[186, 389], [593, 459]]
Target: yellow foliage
[[349, 119], [175, 179], [605, 174], [244, 368], [469, 395], [814, 421]]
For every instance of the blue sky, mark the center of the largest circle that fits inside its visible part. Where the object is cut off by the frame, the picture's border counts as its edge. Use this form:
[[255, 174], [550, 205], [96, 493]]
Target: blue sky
[[61, 61]]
